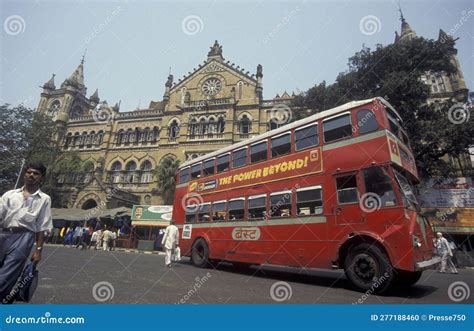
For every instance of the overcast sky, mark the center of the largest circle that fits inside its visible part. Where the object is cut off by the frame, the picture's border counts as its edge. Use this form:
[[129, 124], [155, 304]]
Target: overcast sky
[[132, 44]]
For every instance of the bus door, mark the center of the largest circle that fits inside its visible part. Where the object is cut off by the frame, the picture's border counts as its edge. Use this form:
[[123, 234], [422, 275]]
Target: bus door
[[347, 210]]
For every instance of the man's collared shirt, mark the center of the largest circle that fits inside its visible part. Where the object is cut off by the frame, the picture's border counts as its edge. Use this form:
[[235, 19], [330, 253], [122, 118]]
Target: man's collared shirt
[[33, 213]]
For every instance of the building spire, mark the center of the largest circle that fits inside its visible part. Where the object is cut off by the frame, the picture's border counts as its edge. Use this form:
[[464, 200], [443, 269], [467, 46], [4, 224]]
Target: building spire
[[406, 32], [84, 56], [50, 84]]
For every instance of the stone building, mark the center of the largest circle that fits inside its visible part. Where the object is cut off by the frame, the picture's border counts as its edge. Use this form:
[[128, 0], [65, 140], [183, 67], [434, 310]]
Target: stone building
[[215, 105]]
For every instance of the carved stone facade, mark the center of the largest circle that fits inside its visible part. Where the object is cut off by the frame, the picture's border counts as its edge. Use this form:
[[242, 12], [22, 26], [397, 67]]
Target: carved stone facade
[[215, 105]]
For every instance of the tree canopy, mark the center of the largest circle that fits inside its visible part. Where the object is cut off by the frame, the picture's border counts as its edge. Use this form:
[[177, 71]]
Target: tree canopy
[[393, 72], [166, 172]]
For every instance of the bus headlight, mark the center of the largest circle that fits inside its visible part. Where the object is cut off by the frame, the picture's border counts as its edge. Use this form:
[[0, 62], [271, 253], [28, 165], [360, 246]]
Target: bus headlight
[[416, 241]]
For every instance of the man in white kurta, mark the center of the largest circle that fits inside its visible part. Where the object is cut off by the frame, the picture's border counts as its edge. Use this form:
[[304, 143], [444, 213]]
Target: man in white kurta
[[170, 241]]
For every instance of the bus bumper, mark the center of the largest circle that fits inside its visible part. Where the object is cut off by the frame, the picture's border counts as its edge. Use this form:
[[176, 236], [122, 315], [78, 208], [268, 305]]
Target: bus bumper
[[423, 265]]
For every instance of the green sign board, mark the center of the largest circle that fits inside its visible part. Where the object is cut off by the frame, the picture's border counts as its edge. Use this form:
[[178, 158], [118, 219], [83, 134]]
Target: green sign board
[[151, 215]]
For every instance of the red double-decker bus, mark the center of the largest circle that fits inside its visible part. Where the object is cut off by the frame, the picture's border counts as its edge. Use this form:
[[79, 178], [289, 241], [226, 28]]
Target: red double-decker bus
[[333, 190]]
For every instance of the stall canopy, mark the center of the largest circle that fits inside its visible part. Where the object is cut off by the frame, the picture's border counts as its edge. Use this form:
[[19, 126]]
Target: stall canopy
[[74, 214], [146, 215]]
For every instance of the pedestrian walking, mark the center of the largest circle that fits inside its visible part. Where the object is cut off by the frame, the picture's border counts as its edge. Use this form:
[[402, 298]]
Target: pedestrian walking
[[444, 250], [106, 238], [170, 241], [25, 214], [94, 238], [83, 239]]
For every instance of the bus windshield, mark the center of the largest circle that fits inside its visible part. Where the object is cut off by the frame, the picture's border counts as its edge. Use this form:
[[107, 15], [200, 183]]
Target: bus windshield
[[407, 190]]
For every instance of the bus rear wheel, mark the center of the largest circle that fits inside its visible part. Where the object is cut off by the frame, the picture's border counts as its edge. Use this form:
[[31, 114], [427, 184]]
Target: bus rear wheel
[[368, 268], [200, 253]]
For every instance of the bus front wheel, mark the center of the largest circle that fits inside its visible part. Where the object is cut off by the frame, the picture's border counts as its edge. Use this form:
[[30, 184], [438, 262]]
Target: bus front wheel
[[368, 268], [200, 253]]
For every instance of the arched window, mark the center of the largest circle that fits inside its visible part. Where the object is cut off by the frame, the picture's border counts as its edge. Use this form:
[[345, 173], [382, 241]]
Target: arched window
[[68, 141], [202, 126], [212, 126], [54, 109], [130, 136], [130, 168], [193, 127], [173, 130], [120, 137], [220, 125], [90, 138], [245, 125], [156, 133], [240, 87], [187, 97], [115, 172], [83, 139], [147, 175], [183, 95], [77, 138], [100, 137]]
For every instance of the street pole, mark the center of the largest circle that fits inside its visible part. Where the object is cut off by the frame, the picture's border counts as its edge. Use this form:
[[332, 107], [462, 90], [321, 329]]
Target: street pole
[[19, 173]]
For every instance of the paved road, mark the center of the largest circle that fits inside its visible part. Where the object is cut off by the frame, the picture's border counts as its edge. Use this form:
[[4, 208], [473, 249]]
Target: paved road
[[68, 275]]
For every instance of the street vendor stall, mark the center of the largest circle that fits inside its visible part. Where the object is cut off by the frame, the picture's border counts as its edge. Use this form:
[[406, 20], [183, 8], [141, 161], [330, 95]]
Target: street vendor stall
[[149, 222]]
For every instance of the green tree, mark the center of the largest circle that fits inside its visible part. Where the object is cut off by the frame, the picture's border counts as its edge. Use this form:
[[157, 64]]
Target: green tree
[[166, 173], [394, 72], [25, 135]]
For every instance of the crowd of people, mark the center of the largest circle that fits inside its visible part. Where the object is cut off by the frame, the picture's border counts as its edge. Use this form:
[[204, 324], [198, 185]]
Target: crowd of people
[[85, 237]]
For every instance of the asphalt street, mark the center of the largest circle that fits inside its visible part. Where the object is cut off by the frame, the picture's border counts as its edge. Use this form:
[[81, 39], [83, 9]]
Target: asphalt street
[[71, 276]]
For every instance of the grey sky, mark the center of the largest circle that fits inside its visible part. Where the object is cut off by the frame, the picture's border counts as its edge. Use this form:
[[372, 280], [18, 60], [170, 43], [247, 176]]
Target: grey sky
[[131, 44]]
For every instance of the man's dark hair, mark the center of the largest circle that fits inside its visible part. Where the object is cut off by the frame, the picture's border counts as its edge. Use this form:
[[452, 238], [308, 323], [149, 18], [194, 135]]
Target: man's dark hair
[[37, 166]]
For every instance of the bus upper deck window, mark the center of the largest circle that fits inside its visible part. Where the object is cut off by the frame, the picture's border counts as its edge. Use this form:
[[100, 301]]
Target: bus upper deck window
[[196, 171], [309, 201], [347, 189], [257, 207], [258, 152], [184, 175], [281, 145], [239, 158], [208, 167], [223, 163], [306, 137], [236, 210], [366, 121], [337, 128]]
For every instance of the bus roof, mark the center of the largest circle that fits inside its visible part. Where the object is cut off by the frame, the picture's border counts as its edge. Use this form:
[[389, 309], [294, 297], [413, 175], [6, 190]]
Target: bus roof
[[287, 127]]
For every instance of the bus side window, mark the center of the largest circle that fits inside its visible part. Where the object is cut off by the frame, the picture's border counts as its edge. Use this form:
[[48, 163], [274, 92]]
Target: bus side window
[[257, 207], [191, 213], [218, 211], [306, 137], [347, 189], [280, 204], [196, 171], [337, 128], [203, 213], [223, 163], [236, 209], [309, 201], [366, 121], [281, 145], [184, 175], [379, 183], [208, 167], [239, 158], [258, 152]]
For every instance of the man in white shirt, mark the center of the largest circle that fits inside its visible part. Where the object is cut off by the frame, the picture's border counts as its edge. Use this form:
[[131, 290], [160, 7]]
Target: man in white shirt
[[170, 241], [25, 214]]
